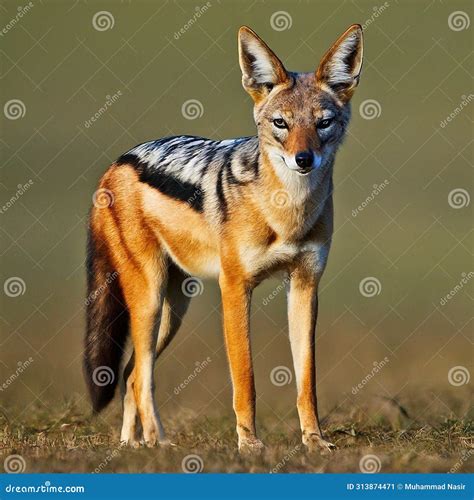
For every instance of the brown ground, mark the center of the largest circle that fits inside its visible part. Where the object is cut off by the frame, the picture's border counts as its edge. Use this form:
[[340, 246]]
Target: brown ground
[[61, 438]]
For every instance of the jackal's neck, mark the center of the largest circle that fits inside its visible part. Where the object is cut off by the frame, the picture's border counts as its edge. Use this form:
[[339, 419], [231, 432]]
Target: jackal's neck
[[291, 202]]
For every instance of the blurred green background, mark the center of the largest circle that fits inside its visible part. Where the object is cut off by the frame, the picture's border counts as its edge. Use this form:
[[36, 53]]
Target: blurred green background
[[63, 60]]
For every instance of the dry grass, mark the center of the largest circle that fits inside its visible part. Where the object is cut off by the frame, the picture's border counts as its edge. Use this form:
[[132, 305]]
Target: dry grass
[[62, 439]]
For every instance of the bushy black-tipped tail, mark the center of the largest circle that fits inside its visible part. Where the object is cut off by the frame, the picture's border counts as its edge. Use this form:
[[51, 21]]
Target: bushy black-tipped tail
[[107, 321]]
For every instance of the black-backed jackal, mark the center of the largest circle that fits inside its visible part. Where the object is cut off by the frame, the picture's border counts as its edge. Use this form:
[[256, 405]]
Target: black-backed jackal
[[237, 210]]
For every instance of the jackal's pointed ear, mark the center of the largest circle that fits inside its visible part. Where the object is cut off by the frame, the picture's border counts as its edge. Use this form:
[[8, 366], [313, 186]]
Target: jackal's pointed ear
[[341, 65], [261, 68]]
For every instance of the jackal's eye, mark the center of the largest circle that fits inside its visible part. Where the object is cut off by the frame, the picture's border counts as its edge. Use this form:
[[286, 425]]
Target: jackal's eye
[[325, 123], [280, 123]]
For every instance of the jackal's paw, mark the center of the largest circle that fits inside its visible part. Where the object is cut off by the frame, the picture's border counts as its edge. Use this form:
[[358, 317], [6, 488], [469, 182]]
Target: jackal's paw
[[316, 444], [155, 441], [250, 446], [150, 440], [132, 443]]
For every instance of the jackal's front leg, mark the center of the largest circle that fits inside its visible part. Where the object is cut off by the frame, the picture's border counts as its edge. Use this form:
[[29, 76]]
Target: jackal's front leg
[[236, 307], [302, 315]]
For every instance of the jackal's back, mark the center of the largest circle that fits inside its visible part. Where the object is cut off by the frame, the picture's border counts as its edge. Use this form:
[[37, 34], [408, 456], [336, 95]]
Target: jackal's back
[[195, 170]]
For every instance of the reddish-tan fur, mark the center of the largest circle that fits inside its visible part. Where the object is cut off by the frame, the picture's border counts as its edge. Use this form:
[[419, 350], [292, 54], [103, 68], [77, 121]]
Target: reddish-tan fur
[[153, 241]]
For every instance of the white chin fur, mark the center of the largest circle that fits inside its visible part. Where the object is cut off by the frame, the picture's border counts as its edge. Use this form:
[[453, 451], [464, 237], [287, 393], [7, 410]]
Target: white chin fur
[[298, 183]]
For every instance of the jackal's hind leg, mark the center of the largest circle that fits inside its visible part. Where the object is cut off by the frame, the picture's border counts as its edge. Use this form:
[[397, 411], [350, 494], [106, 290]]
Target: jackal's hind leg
[[129, 435], [174, 306]]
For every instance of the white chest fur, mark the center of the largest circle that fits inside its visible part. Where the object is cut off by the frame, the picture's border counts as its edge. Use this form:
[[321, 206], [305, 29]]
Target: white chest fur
[[257, 258]]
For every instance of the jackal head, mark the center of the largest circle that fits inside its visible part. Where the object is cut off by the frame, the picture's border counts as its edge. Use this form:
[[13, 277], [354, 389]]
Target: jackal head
[[301, 117]]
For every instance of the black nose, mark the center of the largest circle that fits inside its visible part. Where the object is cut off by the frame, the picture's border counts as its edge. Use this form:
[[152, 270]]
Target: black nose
[[304, 159]]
